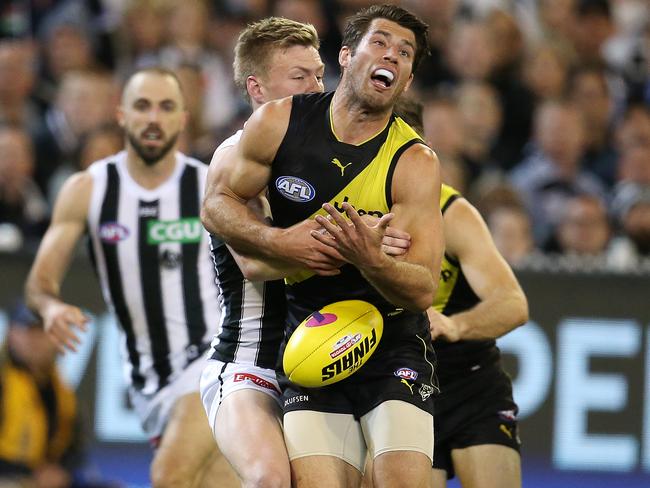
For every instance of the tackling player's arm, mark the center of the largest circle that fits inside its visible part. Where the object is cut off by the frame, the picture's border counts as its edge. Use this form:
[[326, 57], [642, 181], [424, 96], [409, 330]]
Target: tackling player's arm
[[503, 304], [243, 176], [410, 282], [43, 286]]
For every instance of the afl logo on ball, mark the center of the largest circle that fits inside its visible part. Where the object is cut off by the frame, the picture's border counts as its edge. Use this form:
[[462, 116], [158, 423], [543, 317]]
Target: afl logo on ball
[[295, 189]]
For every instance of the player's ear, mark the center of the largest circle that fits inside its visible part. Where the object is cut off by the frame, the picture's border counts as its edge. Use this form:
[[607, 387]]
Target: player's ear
[[344, 56], [408, 83], [254, 89], [119, 116]]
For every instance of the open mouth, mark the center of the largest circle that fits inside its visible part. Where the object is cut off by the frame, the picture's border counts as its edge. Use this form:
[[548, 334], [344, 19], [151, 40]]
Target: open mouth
[[383, 77], [152, 134]]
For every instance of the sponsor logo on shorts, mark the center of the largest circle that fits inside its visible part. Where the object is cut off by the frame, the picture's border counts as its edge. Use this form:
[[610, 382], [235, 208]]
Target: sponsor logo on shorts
[[317, 319], [351, 360], [261, 382], [113, 232], [296, 399], [425, 392], [406, 374], [508, 415], [344, 343], [295, 189], [184, 231]]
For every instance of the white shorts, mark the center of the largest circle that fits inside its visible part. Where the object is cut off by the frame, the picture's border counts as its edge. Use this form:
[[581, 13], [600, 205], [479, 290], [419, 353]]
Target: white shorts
[[220, 379], [154, 409]]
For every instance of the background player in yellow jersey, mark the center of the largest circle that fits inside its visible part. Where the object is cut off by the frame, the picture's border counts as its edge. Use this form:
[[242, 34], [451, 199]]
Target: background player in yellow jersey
[[299, 138], [478, 300]]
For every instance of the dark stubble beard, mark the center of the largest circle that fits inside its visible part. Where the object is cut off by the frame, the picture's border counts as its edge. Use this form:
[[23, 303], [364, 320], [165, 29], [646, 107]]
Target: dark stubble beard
[[151, 155]]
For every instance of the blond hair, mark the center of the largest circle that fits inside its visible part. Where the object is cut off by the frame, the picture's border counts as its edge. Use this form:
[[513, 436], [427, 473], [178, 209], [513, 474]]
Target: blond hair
[[258, 40]]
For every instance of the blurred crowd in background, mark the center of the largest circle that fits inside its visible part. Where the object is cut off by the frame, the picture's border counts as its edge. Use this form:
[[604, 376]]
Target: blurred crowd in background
[[539, 110]]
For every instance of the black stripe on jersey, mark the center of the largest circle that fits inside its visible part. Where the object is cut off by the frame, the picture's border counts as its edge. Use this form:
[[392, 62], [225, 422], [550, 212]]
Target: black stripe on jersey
[[231, 282], [109, 214], [189, 208], [152, 293], [272, 331], [391, 168], [449, 201]]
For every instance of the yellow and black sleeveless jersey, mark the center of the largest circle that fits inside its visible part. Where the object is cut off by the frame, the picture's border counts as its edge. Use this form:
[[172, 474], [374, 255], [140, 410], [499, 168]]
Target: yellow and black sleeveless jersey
[[312, 167], [456, 295], [37, 425]]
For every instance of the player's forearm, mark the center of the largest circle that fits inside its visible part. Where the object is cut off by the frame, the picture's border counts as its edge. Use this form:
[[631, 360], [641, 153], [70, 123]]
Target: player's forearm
[[258, 270], [493, 317], [238, 226], [40, 293], [406, 285]]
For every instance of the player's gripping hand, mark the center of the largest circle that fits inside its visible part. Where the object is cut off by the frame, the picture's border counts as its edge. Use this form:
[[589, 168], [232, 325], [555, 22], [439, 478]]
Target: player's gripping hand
[[302, 248], [442, 327], [62, 324], [355, 240], [396, 242]]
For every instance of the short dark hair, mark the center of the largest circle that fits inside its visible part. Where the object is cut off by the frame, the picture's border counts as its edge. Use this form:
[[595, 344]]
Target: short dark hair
[[358, 25]]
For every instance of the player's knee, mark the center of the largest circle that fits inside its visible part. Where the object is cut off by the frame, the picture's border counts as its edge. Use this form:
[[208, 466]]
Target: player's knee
[[266, 476]]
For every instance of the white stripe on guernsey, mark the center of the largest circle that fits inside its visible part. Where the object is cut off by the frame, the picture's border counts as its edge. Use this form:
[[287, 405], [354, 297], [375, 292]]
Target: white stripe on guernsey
[[99, 174], [210, 294], [251, 321], [171, 283]]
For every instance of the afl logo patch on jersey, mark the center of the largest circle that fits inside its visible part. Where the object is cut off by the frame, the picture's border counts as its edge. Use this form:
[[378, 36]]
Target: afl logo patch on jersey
[[295, 189], [113, 232]]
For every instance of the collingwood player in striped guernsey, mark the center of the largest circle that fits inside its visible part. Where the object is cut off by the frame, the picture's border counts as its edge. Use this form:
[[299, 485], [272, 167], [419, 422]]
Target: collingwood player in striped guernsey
[[140, 208], [274, 58]]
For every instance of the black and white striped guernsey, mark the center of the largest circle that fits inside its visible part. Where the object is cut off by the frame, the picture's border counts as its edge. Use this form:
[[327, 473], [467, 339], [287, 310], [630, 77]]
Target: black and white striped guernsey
[[152, 258], [252, 315]]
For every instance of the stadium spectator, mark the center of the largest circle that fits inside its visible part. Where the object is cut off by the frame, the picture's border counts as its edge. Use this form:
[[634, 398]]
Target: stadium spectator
[[552, 173], [589, 90], [512, 233], [85, 100], [545, 70], [22, 205], [631, 209], [39, 443], [584, 229], [17, 79]]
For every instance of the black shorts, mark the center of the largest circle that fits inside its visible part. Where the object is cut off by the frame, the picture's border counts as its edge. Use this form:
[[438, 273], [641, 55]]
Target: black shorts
[[474, 410], [400, 369]]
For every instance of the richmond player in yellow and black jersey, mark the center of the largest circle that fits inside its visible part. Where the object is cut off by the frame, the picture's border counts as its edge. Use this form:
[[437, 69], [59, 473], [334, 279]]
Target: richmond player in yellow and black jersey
[[342, 155], [478, 299]]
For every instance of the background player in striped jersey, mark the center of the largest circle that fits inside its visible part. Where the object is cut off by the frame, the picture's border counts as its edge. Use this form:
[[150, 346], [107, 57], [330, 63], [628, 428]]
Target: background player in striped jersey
[[140, 208]]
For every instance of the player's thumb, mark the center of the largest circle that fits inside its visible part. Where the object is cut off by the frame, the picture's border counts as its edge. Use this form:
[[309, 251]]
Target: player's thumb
[[384, 221]]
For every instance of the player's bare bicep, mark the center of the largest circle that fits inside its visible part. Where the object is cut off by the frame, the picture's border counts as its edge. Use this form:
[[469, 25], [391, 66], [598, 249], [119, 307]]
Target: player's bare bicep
[[416, 197]]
